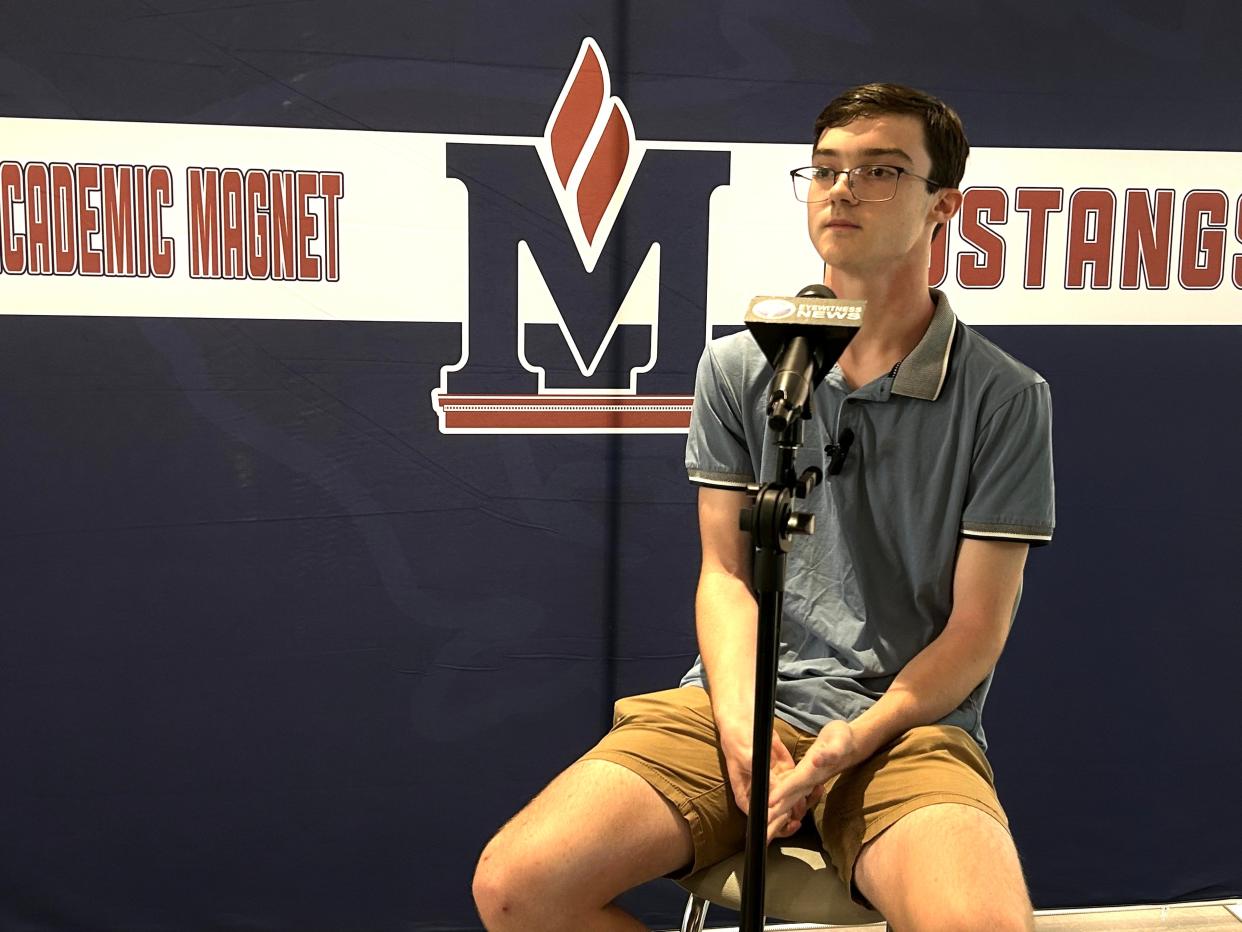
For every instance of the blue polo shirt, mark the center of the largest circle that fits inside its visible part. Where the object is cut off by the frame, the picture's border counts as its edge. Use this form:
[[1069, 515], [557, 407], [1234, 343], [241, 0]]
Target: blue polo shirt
[[955, 442]]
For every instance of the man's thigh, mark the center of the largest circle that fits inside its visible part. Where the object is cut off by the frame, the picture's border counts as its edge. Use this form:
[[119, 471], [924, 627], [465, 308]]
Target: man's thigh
[[946, 866], [594, 832], [669, 739], [921, 834], [650, 799]]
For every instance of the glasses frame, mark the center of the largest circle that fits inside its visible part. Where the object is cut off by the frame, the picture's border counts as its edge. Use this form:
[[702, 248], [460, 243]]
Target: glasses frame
[[796, 173]]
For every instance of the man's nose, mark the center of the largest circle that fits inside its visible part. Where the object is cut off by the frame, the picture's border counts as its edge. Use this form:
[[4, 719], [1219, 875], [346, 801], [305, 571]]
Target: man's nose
[[839, 190]]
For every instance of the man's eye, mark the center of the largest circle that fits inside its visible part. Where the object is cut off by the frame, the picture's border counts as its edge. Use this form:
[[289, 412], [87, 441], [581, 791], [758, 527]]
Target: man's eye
[[879, 172], [822, 173]]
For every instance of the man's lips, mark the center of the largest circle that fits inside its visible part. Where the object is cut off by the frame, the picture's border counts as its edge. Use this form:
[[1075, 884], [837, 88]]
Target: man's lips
[[842, 224]]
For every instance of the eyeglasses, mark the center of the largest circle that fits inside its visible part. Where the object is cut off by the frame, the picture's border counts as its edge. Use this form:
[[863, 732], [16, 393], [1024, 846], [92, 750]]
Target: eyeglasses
[[866, 182]]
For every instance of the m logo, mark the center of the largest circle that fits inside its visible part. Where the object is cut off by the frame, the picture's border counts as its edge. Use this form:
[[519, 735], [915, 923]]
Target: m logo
[[587, 273]]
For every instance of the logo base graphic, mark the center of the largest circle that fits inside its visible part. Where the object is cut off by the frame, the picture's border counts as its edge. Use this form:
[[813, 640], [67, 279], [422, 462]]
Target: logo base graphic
[[548, 413]]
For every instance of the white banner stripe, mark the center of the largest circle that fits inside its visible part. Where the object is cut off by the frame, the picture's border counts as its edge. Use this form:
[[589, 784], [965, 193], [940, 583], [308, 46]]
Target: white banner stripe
[[1122, 247]]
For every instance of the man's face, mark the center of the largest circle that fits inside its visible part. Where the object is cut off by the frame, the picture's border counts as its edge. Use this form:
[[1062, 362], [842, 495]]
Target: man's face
[[862, 237]]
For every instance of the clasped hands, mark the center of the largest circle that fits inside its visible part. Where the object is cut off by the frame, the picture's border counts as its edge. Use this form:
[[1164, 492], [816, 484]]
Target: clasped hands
[[793, 788]]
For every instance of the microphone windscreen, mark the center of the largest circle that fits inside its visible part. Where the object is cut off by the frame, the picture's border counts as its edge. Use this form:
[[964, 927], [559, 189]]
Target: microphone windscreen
[[817, 291], [819, 316]]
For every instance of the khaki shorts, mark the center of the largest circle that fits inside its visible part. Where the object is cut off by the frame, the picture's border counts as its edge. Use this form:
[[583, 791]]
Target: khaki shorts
[[669, 739]]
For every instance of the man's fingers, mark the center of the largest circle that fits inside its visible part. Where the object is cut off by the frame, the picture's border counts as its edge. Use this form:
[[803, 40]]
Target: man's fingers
[[776, 799], [788, 805], [742, 798], [794, 789], [741, 792], [785, 791], [780, 753], [782, 805], [782, 826], [799, 810]]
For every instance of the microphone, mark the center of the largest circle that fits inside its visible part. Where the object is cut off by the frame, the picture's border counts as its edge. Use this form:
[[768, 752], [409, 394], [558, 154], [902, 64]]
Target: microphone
[[838, 451], [801, 337]]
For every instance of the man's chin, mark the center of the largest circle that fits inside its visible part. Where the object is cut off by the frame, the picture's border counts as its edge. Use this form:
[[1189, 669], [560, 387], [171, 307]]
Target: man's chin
[[843, 260]]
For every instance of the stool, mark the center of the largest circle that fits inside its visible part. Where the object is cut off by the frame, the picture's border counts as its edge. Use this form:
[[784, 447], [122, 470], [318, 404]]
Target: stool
[[801, 886]]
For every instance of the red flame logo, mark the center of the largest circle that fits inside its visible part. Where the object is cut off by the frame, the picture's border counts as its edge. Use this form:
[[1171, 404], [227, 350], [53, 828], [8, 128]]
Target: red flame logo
[[590, 137]]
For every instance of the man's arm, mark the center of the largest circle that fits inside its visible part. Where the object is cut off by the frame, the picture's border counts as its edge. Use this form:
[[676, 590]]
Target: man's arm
[[726, 619], [725, 612], [935, 681], [940, 677]]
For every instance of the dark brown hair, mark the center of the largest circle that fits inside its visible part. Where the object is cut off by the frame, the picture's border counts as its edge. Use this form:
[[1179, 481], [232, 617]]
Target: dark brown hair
[[942, 127]]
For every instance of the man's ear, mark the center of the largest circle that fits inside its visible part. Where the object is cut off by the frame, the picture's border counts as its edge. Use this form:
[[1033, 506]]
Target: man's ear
[[945, 204]]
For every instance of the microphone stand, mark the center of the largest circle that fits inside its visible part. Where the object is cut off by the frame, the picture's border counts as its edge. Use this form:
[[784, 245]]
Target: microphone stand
[[772, 523]]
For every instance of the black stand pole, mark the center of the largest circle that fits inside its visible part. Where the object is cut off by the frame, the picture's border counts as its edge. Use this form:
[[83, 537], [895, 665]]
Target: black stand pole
[[772, 523]]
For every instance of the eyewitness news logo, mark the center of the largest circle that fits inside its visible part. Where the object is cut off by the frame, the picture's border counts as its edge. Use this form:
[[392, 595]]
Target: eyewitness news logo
[[586, 266]]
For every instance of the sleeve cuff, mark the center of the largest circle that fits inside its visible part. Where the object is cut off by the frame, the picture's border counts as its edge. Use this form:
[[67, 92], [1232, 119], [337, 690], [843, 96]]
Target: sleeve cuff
[[1018, 533], [720, 480]]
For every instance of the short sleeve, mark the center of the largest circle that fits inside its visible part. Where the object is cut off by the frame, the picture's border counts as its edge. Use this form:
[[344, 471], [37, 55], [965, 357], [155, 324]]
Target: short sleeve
[[1010, 494], [716, 449]]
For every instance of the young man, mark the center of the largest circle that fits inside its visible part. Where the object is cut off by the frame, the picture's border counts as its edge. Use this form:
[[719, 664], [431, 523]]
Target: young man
[[896, 609]]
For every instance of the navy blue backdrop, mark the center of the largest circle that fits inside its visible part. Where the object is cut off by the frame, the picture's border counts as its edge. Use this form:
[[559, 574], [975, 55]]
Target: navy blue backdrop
[[275, 653]]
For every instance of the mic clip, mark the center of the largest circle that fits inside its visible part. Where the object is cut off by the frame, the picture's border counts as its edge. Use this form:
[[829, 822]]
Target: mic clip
[[838, 450]]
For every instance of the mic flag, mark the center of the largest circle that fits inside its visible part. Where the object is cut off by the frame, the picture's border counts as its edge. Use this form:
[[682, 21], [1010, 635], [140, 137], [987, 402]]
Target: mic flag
[[801, 337]]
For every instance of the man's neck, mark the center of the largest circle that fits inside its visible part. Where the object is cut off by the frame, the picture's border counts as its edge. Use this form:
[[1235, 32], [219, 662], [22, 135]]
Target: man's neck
[[899, 309]]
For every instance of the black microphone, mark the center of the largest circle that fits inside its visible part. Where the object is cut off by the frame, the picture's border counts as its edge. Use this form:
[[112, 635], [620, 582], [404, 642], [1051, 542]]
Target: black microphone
[[838, 451], [801, 337]]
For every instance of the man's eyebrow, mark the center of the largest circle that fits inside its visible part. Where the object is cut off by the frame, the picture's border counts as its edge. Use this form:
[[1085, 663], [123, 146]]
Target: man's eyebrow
[[834, 153]]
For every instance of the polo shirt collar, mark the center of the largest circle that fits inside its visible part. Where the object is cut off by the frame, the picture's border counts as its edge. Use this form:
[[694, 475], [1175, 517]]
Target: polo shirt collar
[[922, 373]]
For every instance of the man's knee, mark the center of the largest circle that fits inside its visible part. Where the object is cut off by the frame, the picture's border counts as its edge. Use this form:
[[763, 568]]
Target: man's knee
[[596, 831], [972, 917], [515, 881], [510, 872], [497, 886], [946, 867]]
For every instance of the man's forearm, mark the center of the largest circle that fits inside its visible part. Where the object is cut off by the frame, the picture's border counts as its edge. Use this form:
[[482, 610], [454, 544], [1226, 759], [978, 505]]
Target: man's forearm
[[930, 686], [986, 583], [726, 617]]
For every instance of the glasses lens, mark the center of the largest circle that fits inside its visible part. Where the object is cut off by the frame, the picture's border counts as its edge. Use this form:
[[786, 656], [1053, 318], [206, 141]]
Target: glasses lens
[[874, 182], [801, 186]]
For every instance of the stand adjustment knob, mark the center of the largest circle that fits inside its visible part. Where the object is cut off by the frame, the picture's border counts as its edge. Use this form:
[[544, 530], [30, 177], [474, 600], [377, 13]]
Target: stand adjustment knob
[[811, 477], [801, 522]]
